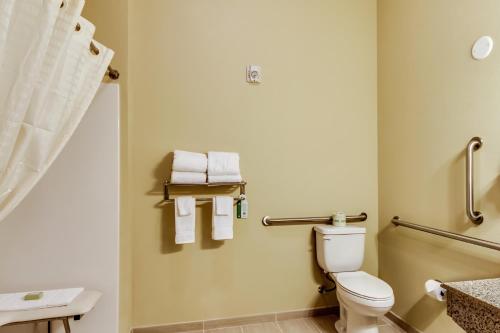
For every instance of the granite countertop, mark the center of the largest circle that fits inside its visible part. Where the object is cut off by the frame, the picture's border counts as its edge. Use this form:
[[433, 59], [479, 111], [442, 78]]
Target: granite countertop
[[474, 305], [487, 291]]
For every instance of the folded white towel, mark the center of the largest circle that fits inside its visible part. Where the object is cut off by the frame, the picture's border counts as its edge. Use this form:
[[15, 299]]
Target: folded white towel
[[223, 206], [188, 177], [223, 164], [50, 299], [225, 179], [185, 208], [222, 218], [186, 161]]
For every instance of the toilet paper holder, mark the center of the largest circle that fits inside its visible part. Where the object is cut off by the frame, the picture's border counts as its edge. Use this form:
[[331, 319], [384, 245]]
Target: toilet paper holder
[[434, 289]]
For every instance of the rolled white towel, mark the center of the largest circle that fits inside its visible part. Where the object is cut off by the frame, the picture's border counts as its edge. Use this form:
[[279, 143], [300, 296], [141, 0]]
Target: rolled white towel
[[225, 179], [188, 177], [223, 164], [186, 161]]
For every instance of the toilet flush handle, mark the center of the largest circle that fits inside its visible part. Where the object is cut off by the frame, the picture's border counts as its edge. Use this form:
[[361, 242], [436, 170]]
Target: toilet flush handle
[[327, 238]]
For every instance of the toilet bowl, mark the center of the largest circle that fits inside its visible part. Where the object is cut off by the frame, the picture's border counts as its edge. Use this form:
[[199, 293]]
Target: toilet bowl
[[362, 297]]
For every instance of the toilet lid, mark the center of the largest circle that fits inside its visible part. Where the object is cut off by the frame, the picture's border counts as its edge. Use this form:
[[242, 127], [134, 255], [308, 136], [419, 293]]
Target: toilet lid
[[364, 285]]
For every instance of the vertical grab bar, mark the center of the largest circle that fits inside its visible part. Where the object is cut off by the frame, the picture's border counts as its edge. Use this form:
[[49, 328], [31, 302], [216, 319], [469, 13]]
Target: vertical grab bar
[[475, 216]]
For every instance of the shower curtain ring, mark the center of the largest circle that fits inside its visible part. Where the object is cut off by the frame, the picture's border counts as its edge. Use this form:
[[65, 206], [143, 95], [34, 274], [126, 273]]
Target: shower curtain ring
[[93, 49], [113, 73]]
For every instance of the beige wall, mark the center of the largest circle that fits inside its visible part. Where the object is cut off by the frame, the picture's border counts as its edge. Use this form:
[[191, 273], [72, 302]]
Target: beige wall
[[186, 64], [307, 138], [317, 103], [432, 99], [111, 20]]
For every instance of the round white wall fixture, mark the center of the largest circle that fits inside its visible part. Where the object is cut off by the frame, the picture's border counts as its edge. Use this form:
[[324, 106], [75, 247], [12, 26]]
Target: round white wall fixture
[[482, 48]]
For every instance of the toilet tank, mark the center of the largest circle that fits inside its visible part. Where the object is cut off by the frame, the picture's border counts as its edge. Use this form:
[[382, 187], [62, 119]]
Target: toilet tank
[[340, 249]]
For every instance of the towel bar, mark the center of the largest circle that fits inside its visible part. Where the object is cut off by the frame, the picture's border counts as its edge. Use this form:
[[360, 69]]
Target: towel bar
[[167, 185], [268, 221], [201, 200]]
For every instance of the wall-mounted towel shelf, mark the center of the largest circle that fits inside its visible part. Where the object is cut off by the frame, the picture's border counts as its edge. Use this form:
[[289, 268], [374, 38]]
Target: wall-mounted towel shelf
[[269, 221], [167, 185]]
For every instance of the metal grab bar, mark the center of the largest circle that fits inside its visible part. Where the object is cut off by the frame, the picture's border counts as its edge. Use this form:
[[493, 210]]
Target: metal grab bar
[[475, 216], [268, 221], [467, 239]]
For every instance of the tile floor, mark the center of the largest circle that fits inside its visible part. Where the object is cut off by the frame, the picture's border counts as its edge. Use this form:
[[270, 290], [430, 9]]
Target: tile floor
[[323, 324]]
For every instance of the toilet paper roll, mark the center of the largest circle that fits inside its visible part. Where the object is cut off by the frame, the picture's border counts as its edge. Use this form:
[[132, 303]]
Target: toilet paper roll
[[433, 289]]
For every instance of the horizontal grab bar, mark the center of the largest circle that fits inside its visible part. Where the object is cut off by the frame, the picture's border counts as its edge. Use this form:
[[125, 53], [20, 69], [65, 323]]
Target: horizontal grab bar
[[467, 239], [268, 221]]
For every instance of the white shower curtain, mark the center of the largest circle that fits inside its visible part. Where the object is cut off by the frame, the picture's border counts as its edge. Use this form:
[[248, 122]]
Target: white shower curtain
[[48, 77]]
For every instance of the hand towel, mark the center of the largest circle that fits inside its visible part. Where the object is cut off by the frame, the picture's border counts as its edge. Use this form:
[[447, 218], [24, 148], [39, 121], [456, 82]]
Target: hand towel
[[188, 177], [225, 179], [222, 218], [185, 208], [223, 164], [186, 161]]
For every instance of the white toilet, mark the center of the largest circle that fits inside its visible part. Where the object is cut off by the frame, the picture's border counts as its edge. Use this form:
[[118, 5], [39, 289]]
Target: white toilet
[[362, 297]]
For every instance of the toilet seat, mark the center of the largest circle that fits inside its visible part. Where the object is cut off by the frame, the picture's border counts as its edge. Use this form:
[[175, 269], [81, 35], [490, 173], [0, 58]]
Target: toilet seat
[[363, 285]]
